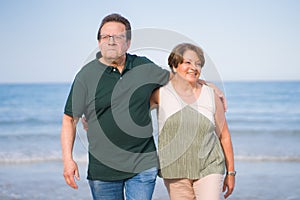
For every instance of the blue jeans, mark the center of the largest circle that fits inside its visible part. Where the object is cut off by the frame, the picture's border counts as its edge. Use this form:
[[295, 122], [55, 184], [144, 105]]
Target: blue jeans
[[138, 187]]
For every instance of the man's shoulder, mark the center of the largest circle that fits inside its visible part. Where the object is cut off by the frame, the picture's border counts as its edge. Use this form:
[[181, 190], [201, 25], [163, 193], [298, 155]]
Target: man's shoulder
[[93, 65], [90, 64], [138, 60], [90, 70]]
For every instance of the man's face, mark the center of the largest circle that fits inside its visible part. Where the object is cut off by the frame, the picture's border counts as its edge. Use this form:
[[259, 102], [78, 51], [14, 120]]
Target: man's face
[[112, 42]]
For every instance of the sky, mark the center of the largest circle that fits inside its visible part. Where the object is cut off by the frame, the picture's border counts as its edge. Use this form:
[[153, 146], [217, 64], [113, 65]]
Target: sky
[[246, 40]]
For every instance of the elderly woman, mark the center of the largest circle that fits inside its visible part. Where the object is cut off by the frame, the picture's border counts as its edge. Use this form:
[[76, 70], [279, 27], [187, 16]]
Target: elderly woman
[[194, 143]]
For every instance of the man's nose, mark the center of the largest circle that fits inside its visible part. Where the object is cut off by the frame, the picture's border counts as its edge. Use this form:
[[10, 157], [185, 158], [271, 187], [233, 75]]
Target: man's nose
[[111, 39]]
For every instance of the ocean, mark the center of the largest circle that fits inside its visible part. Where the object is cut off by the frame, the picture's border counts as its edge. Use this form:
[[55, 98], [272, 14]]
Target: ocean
[[263, 118]]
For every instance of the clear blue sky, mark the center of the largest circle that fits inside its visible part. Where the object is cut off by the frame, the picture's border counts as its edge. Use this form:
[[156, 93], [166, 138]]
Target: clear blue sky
[[49, 40]]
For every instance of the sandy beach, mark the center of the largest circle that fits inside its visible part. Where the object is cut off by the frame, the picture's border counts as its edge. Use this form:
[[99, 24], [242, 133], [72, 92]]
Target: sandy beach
[[43, 180]]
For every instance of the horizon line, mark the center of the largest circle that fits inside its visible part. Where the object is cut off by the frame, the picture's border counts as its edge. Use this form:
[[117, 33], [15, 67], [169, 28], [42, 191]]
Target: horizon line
[[232, 80]]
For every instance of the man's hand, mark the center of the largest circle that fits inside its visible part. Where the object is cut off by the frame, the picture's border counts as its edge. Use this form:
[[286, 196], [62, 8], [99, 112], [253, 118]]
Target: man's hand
[[71, 170], [219, 93], [84, 123]]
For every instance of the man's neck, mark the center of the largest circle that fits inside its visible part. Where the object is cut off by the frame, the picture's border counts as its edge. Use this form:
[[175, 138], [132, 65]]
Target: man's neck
[[118, 63]]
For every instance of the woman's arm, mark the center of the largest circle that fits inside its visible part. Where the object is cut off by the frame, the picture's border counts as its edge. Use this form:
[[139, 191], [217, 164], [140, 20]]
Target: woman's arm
[[225, 139]]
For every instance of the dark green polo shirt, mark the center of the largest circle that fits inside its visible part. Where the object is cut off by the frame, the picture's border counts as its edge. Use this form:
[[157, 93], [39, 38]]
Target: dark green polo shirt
[[118, 113]]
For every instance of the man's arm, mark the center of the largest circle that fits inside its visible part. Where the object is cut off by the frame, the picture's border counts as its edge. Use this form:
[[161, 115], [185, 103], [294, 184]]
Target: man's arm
[[68, 133]]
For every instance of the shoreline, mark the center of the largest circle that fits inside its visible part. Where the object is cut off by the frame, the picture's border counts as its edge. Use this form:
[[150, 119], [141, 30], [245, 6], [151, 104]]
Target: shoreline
[[44, 180]]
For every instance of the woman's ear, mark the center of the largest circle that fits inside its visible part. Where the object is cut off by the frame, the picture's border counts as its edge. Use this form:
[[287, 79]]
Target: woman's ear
[[174, 70]]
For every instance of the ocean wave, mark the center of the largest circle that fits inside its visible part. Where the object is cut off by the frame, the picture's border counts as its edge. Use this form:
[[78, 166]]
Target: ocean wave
[[29, 121], [264, 119], [264, 130], [25, 135], [268, 158], [19, 158]]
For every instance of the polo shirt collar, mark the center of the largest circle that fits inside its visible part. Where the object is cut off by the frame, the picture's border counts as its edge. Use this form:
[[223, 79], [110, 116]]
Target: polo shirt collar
[[109, 69]]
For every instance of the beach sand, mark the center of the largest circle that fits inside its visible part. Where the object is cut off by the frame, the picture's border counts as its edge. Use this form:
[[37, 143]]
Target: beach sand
[[44, 180]]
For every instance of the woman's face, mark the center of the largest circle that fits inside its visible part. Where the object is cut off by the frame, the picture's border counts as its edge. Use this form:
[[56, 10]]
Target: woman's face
[[190, 68]]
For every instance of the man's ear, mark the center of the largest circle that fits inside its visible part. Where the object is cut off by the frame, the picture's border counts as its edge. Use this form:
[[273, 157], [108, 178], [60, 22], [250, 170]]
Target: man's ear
[[128, 43]]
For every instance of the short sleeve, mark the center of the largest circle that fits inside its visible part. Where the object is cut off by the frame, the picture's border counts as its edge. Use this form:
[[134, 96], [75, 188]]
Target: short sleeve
[[151, 72], [75, 103]]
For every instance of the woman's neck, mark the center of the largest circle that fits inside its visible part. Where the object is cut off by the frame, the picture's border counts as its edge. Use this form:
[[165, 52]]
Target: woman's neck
[[189, 92], [184, 85]]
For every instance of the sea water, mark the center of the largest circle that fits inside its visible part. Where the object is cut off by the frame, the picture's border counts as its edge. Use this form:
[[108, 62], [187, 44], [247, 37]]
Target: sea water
[[263, 117]]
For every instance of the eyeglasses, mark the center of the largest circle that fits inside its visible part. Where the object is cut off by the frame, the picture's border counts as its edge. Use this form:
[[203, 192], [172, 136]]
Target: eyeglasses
[[116, 38]]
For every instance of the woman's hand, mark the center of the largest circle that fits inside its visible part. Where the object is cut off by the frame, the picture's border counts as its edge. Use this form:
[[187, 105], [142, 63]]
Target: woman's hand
[[228, 185]]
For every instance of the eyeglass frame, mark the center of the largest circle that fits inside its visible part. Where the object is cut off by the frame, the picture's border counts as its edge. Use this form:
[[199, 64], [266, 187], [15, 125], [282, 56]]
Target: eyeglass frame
[[116, 38]]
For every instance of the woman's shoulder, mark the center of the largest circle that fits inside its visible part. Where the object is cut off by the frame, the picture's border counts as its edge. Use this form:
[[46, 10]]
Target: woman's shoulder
[[208, 89]]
